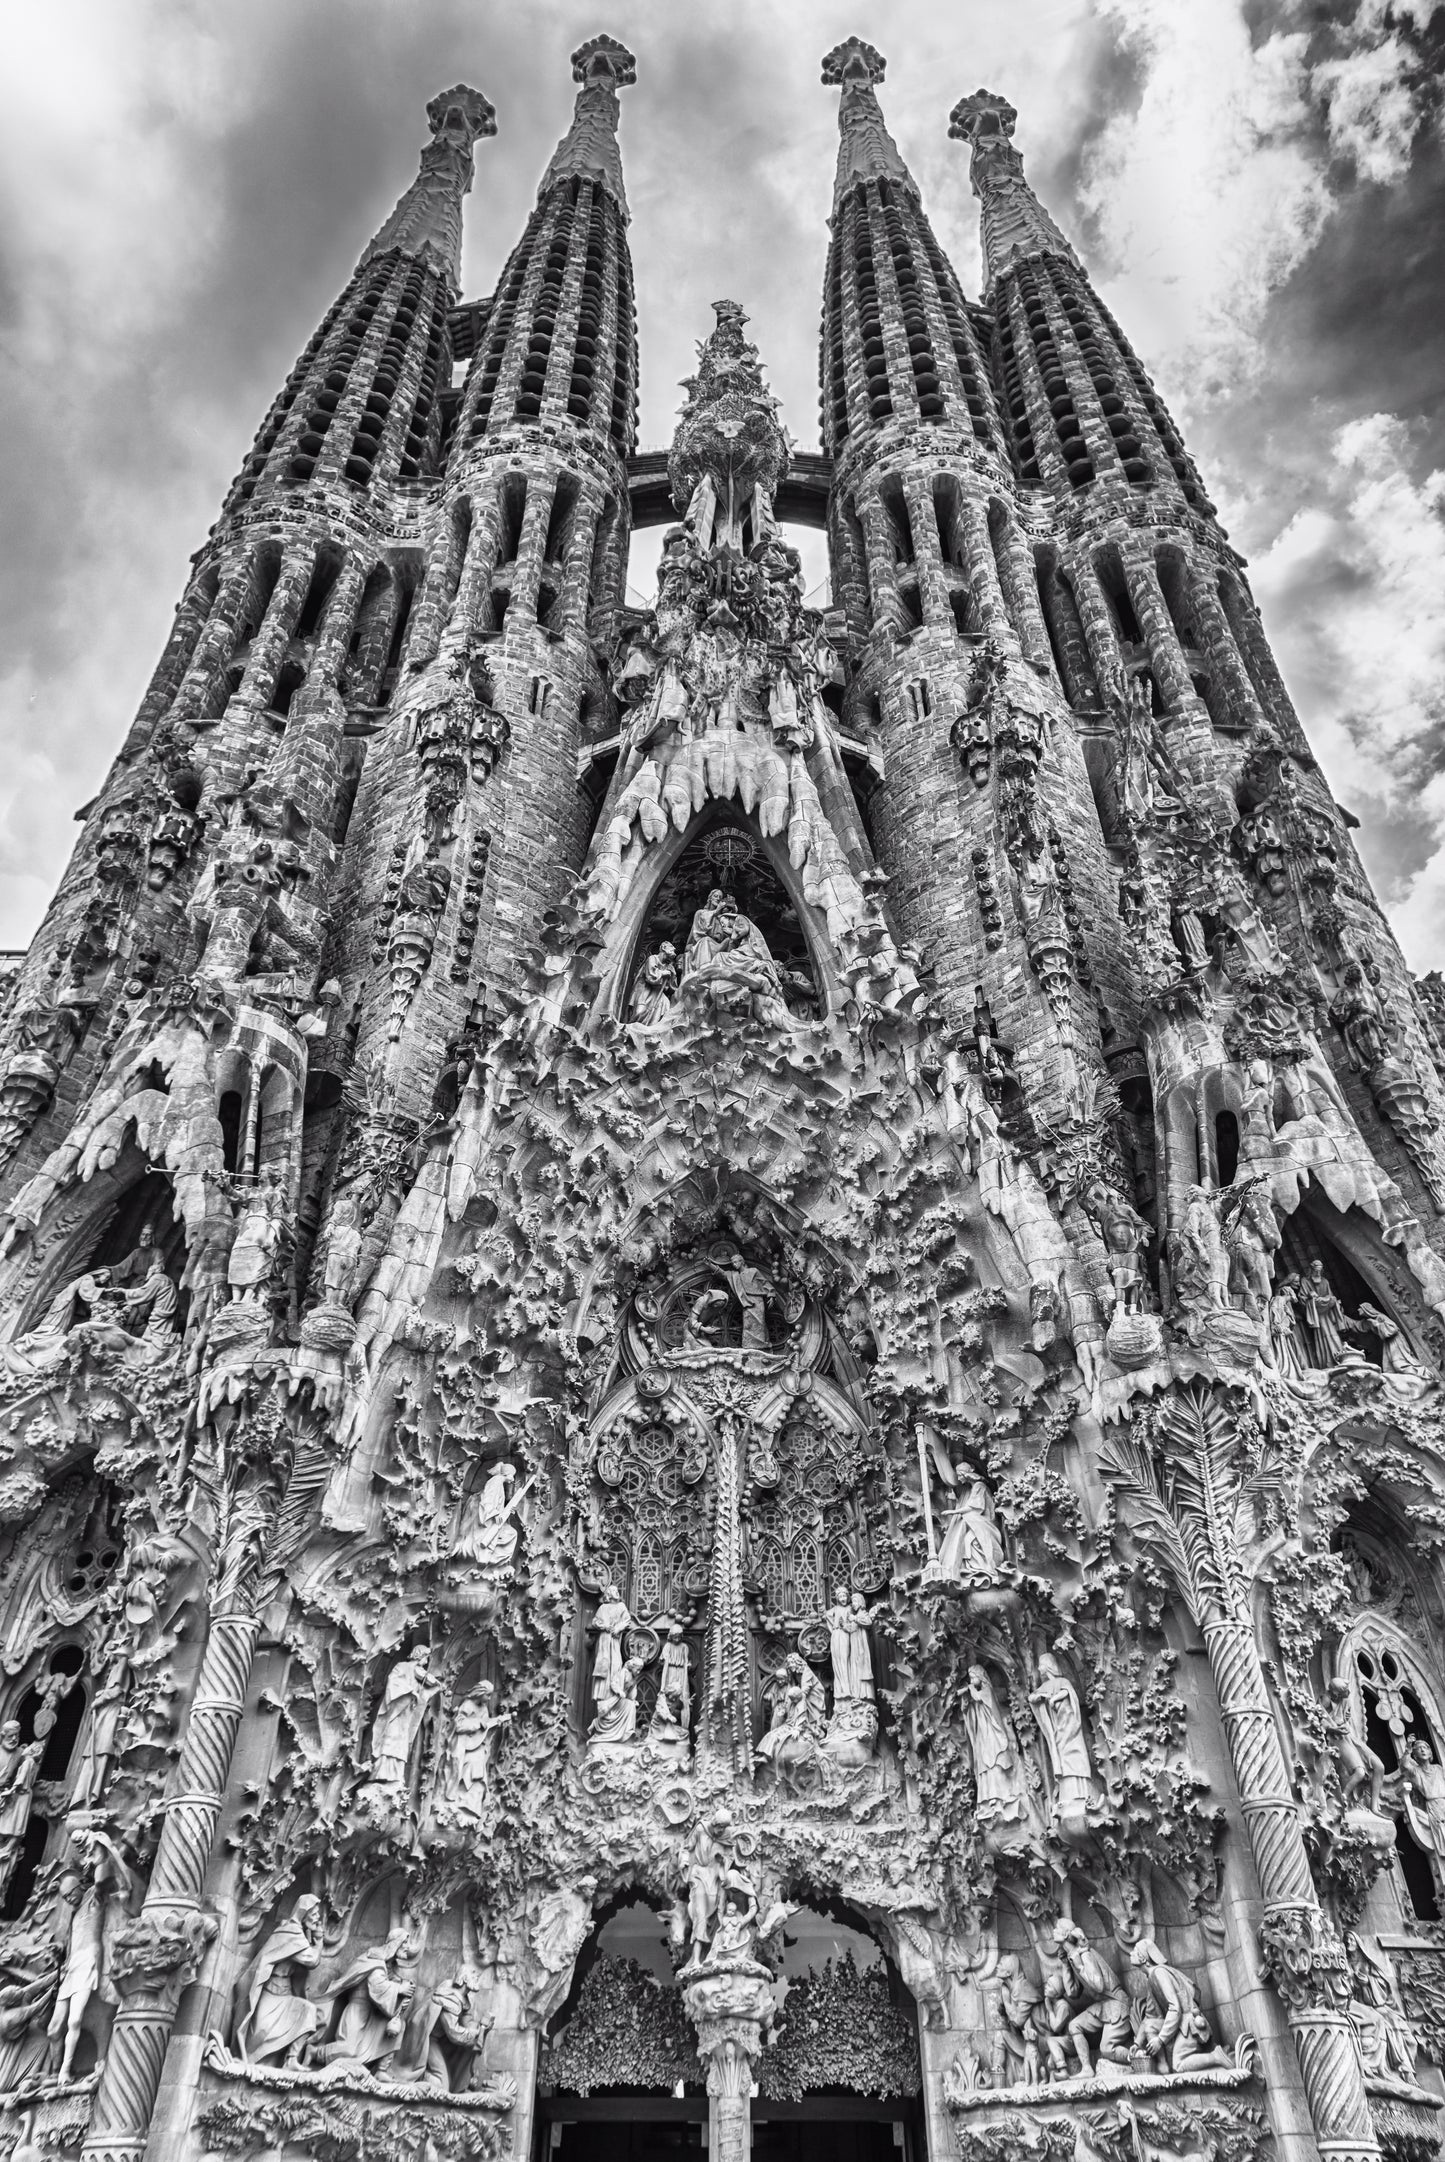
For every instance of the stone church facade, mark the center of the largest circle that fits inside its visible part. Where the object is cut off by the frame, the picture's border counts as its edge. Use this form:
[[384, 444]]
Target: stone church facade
[[722, 1321]]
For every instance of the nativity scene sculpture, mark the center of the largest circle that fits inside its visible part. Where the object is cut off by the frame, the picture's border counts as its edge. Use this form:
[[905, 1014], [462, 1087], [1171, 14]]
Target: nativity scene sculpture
[[722, 1314]]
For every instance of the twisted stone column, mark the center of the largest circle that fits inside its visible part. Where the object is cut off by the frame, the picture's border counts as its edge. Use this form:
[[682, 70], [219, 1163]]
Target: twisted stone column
[[159, 1952], [732, 2010], [1300, 1952], [731, 1703]]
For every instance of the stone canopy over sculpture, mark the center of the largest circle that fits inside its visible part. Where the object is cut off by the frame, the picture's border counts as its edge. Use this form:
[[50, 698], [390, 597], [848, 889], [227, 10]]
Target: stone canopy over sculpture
[[722, 1319]]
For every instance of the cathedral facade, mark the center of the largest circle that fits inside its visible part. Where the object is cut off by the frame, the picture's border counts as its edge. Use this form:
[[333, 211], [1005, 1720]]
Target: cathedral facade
[[722, 1320]]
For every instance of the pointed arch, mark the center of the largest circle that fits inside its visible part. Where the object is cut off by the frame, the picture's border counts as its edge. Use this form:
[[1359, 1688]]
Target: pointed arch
[[724, 846]]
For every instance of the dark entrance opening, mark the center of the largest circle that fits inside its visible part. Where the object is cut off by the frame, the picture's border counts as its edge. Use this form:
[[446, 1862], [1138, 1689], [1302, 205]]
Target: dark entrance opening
[[860, 2132], [630, 2130], [657, 2128]]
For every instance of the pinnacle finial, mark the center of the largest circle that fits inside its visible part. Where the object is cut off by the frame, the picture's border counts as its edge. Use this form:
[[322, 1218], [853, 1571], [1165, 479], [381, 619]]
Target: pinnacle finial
[[461, 115], [866, 150], [588, 151], [850, 61], [1015, 222], [604, 56], [427, 222], [976, 118], [730, 436]]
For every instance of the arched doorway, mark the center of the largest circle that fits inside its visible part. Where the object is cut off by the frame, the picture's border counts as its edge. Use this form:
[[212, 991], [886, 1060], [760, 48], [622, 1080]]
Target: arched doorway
[[620, 2079]]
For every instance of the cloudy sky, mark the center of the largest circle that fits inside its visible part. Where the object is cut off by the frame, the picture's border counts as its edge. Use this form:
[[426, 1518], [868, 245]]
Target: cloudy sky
[[1258, 186]]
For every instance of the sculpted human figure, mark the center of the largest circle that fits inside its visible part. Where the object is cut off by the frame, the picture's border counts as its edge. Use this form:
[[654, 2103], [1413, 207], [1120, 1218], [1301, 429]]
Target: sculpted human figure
[[19, 1762], [1056, 1707], [1173, 2031], [1256, 1108], [1125, 1235], [611, 1622], [84, 1961], [737, 1911], [443, 2015], [1198, 1267], [409, 1695], [616, 1719], [972, 1549], [799, 1721], [997, 1774], [375, 1997], [258, 1237], [1383, 2035], [1362, 1772], [486, 1534], [1021, 2031], [1088, 2005], [469, 1753], [100, 1733], [1284, 1332], [154, 1302], [1324, 1318], [278, 2020], [1395, 1355], [343, 1251], [750, 1287], [28, 1964], [655, 988], [1424, 1783], [706, 1866], [671, 1712], [848, 1620], [727, 948]]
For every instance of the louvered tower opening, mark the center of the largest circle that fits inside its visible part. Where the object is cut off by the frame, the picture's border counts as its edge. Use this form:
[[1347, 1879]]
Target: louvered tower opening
[[1064, 416], [1091, 352], [582, 385], [965, 352], [623, 426], [1185, 471], [545, 309], [276, 419], [326, 398], [926, 385], [1010, 375], [870, 317], [487, 367], [832, 373]]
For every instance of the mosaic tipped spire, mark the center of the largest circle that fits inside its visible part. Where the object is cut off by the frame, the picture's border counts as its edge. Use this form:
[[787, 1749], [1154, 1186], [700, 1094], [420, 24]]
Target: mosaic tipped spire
[[588, 150], [1015, 222], [866, 150], [427, 221]]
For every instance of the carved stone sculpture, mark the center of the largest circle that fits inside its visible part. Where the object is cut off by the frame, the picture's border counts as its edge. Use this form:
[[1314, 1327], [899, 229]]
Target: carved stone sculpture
[[469, 1755], [971, 1551], [277, 2018], [373, 1995], [1173, 2032], [407, 1698], [1089, 2011], [1056, 1707]]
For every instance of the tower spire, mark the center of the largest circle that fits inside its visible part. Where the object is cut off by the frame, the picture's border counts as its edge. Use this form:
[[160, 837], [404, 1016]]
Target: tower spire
[[1095, 410], [588, 150], [866, 150], [427, 222], [1015, 222], [730, 449], [885, 264]]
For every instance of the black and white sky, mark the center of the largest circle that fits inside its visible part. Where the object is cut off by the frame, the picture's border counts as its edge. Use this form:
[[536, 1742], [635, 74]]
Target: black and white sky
[[1258, 187]]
